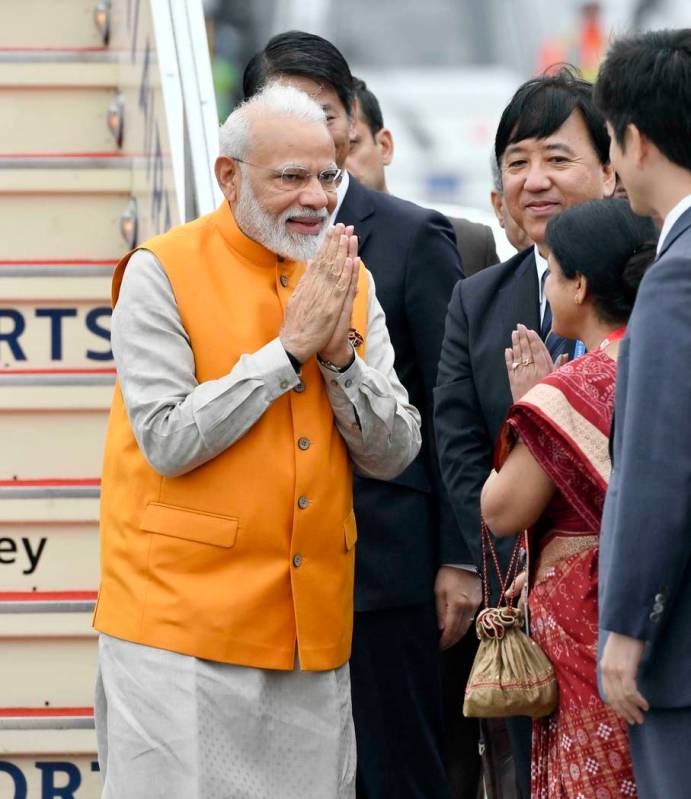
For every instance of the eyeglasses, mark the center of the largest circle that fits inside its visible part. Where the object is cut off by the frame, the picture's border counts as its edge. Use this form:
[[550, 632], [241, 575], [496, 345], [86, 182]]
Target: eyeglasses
[[295, 178]]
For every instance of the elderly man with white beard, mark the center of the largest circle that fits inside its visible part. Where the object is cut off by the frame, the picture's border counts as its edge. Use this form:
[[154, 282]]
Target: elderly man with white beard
[[249, 384]]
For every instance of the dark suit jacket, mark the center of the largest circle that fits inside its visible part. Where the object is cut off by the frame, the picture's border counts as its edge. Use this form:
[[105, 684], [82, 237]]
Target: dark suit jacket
[[405, 526], [645, 546], [475, 244], [473, 395]]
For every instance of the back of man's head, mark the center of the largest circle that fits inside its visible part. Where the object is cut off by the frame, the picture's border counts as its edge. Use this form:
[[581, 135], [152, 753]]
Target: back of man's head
[[300, 54], [370, 110], [645, 80], [541, 106], [277, 100]]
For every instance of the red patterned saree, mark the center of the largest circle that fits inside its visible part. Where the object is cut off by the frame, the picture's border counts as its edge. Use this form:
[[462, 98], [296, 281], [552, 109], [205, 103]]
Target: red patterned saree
[[581, 751]]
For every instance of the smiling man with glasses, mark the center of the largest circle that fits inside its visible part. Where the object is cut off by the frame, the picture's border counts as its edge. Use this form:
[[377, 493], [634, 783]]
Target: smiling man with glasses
[[254, 369]]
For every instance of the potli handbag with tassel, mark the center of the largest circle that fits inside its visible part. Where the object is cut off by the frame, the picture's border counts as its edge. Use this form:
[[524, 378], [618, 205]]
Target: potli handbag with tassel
[[511, 675]]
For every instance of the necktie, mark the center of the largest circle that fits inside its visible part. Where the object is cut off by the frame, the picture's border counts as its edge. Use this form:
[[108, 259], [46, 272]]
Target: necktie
[[555, 344], [546, 325]]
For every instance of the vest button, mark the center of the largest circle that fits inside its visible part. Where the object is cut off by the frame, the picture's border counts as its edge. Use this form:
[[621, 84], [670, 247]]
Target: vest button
[[303, 502], [304, 443], [284, 280], [299, 388], [297, 561]]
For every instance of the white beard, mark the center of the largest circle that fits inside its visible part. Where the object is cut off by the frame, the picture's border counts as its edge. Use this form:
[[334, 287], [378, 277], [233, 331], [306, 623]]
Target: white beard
[[270, 231]]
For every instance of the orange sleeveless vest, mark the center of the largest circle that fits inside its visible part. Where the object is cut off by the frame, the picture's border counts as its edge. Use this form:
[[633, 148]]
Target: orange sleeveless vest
[[246, 555]]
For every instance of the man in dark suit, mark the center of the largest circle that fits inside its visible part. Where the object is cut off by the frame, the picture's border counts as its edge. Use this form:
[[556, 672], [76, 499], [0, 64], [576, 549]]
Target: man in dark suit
[[552, 147], [408, 584], [371, 151], [644, 91]]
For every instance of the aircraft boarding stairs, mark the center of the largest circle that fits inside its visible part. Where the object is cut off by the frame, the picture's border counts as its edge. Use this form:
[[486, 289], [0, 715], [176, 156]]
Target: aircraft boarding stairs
[[102, 144]]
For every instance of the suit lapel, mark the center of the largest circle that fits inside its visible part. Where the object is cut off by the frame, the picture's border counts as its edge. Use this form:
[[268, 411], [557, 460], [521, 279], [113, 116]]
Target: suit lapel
[[357, 209], [521, 302], [523, 295], [680, 226]]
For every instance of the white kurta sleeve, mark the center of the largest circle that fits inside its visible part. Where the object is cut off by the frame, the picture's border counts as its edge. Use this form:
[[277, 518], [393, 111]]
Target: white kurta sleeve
[[179, 423]]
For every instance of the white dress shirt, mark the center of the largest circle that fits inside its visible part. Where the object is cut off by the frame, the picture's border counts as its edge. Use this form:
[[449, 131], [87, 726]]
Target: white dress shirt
[[542, 266], [340, 194], [671, 218]]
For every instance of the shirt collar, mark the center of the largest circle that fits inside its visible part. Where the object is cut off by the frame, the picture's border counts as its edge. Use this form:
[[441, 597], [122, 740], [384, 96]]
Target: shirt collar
[[542, 266], [670, 220], [340, 195]]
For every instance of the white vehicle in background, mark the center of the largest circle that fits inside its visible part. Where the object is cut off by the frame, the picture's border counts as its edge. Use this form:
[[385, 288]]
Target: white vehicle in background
[[443, 122]]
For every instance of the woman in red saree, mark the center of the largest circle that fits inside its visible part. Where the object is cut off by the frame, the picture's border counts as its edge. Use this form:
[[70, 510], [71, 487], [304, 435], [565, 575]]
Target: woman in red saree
[[552, 471]]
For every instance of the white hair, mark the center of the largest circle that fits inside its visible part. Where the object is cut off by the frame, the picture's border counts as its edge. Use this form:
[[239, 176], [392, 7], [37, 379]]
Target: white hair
[[275, 99]]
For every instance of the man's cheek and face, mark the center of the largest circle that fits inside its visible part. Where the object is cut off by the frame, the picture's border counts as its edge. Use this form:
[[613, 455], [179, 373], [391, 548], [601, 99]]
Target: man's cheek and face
[[517, 237], [543, 177], [623, 160], [286, 220], [365, 160]]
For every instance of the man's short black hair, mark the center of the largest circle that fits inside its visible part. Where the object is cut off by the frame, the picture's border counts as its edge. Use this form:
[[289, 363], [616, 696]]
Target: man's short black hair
[[541, 106], [301, 54], [645, 80], [369, 106]]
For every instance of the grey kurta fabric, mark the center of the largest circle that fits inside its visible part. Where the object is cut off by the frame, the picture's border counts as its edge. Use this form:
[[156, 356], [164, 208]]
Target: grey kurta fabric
[[180, 424], [171, 726]]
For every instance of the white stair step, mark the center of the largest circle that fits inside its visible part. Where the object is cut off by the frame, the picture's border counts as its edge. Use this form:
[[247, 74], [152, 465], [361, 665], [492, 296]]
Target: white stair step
[[107, 173], [38, 71], [49, 24], [49, 660], [82, 223], [78, 119], [72, 380], [49, 557], [37, 737], [46, 614], [55, 334], [28, 286], [70, 502], [49, 768], [57, 268], [66, 444]]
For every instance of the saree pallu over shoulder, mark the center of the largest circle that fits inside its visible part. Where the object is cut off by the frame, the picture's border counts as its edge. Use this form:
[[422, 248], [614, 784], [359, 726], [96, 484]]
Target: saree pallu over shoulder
[[565, 422]]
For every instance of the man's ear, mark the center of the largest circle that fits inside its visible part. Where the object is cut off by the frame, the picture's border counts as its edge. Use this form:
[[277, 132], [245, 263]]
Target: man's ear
[[498, 205], [228, 177], [384, 141], [639, 143], [609, 179]]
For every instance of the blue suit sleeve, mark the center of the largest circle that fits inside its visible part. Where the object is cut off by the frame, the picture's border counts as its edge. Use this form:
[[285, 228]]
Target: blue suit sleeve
[[646, 536]]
